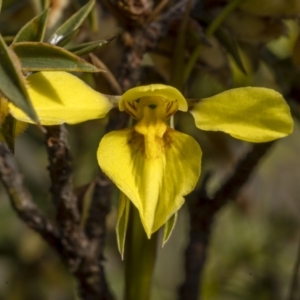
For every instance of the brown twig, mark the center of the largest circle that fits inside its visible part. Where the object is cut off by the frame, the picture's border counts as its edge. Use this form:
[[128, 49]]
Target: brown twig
[[202, 213], [95, 230], [294, 292], [21, 200], [60, 169], [62, 194], [81, 250], [141, 40]]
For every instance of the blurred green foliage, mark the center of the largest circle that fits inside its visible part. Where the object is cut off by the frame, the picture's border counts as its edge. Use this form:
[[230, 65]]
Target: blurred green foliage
[[254, 240]]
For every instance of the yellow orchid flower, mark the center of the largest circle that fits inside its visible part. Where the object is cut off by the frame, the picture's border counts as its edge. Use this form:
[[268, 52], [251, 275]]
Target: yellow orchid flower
[[152, 164]]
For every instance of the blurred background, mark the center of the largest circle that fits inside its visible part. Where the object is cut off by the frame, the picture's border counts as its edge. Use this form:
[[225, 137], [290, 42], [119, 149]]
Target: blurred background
[[253, 246]]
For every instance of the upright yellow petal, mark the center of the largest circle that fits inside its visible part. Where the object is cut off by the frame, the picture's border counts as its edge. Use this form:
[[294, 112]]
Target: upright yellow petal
[[155, 184], [60, 97], [167, 92], [251, 114]]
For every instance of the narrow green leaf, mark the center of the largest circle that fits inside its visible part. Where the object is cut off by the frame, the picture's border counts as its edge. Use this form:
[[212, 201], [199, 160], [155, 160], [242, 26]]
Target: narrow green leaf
[[84, 196], [211, 29], [8, 132], [231, 47], [37, 5], [93, 19], [168, 228], [67, 38], [35, 29], [0, 5], [40, 5], [72, 23], [36, 56], [45, 4], [12, 82], [87, 47]]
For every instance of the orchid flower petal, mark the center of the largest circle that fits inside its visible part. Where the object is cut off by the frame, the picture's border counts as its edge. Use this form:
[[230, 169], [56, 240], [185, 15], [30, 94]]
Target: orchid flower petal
[[156, 184], [60, 97], [169, 227], [251, 114], [154, 90], [122, 222]]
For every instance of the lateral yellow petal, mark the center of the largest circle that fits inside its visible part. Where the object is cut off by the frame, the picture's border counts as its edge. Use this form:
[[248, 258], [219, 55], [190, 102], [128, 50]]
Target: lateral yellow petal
[[251, 114], [60, 97], [167, 92], [155, 185]]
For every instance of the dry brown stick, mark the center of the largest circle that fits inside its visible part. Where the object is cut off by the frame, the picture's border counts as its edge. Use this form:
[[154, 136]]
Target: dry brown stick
[[143, 39], [202, 213], [95, 229], [60, 169], [81, 251], [22, 202], [65, 201], [294, 292]]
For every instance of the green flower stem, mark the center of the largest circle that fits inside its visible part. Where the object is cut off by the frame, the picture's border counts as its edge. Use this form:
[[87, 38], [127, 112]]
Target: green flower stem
[[178, 58], [213, 26], [140, 254]]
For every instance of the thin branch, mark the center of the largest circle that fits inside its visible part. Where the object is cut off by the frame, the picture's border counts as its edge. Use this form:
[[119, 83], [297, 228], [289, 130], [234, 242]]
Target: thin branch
[[81, 251], [294, 293], [63, 197], [202, 213], [243, 171], [60, 170], [21, 200], [100, 207], [143, 39], [96, 230]]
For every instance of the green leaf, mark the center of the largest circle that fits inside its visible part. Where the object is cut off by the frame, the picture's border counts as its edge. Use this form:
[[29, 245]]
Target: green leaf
[[85, 197], [73, 23], [0, 5], [8, 132], [36, 56], [67, 38], [168, 228], [87, 47], [231, 47], [8, 39], [12, 82], [40, 5], [210, 30], [35, 29]]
